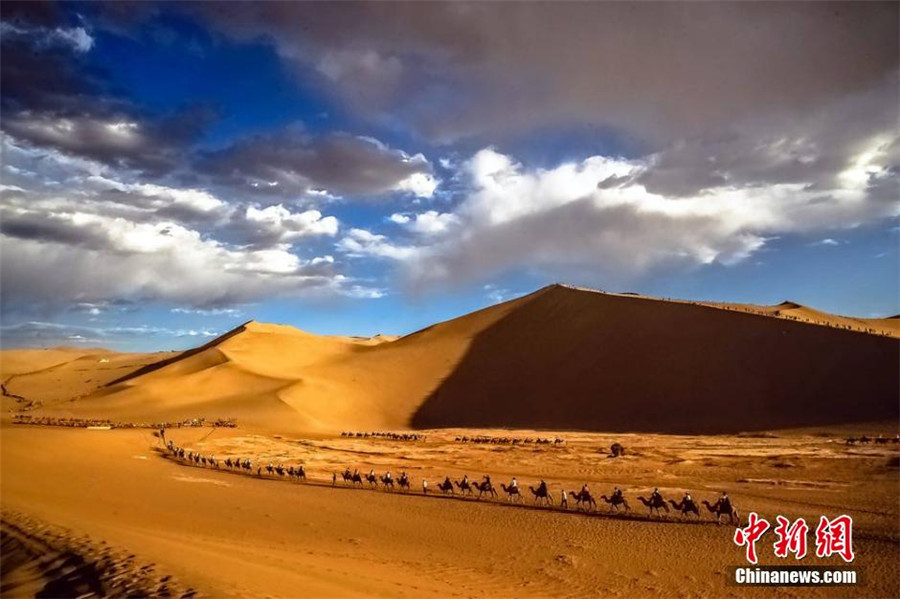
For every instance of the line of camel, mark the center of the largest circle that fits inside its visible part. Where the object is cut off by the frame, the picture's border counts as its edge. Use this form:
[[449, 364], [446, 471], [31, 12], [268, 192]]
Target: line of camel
[[584, 500]]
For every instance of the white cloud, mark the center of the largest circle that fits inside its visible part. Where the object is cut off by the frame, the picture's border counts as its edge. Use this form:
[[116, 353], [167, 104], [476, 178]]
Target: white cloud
[[594, 216], [95, 237], [361, 243], [421, 185], [426, 223], [277, 223]]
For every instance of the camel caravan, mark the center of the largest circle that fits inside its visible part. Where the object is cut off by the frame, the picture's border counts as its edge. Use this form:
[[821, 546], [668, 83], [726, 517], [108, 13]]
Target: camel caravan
[[110, 424], [509, 440], [541, 496], [864, 440], [385, 435]]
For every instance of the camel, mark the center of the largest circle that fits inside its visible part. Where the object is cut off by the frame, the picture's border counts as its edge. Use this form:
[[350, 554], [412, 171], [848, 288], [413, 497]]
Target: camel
[[300, 473], [512, 493], [719, 511], [616, 450], [686, 506], [464, 487], [584, 500], [485, 487], [270, 468], [446, 487], [541, 494], [372, 479], [387, 482], [655, 503], [615, 501], [403, 482]]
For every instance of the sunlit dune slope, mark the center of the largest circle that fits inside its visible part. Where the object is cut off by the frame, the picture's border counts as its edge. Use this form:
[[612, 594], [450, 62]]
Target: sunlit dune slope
[[580, 359], [559, 358], [60, 374], [274, 377]]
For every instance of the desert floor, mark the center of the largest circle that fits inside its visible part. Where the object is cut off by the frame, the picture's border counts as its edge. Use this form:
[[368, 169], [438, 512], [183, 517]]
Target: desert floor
[[135, 520]]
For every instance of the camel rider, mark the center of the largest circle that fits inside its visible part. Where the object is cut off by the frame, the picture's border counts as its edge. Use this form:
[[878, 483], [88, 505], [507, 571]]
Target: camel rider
[[372, 473], [487, 481], [656, 497], [514, 484], [584, 489], [465, 479], [724, 503], [687, 500], [542, 488], [387, 475], [617, 494], [447, 482]]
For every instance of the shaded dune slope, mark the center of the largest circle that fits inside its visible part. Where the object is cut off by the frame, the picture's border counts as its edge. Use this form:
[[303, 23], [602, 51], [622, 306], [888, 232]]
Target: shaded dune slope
[[572, 359], [559, 358]]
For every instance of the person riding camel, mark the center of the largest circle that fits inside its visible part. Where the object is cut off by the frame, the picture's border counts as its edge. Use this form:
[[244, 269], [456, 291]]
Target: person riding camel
[[584, 489], [514, 483], [617, 494], [724, 503], [447, 483], [655, 497], [542, 488], [372, 473], [387, 475], [687, 499], [465, 480], [487, 481]]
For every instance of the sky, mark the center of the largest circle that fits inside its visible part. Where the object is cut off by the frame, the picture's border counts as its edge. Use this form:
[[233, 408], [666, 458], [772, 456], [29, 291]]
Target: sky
[[171, 170]]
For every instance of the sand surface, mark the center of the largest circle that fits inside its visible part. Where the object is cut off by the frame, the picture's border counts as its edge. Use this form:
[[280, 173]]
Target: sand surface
[[224, 534], [91, 512]]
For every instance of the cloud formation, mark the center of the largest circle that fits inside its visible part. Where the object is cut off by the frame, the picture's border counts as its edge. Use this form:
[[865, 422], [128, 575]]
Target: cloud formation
[[294, 163], [661, 71], [95, 239], [596, 216]]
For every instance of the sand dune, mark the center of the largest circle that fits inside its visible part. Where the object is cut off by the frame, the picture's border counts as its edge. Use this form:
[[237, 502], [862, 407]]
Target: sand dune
[[559, 358]]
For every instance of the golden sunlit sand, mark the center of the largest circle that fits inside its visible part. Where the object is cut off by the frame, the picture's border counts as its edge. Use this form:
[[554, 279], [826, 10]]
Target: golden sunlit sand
[[704, 398]]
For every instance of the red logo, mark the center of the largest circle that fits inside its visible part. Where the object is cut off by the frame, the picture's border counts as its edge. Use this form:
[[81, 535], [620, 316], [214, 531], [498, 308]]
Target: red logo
[[833, 537]]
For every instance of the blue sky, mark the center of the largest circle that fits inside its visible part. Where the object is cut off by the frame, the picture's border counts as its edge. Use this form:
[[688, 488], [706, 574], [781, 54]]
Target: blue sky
[[172, 170]]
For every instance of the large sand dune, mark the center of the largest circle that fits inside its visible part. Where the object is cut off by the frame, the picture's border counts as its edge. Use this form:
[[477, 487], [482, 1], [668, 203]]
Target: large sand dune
[[560, 358]]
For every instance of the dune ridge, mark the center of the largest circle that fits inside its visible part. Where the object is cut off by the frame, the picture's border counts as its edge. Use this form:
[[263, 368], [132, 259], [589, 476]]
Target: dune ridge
[[561, 357]]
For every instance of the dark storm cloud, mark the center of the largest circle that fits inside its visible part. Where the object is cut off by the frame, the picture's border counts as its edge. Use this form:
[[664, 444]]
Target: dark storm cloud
[[52, 228], [660, 70], [120, 139], [51, 98], [294, 163]]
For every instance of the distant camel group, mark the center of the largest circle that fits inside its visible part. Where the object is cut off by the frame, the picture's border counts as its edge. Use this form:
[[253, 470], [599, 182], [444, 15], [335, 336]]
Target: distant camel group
[[386, 435], [509, 440], [541, 495], [864, 440], [106, 423], [240, 464]]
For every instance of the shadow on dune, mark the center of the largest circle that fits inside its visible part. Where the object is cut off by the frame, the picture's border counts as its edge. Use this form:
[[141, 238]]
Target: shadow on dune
[[571, 359], [178, 358]]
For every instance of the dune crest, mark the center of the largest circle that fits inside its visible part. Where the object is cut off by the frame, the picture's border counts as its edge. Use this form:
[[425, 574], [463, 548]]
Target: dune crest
[[559, 358]]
